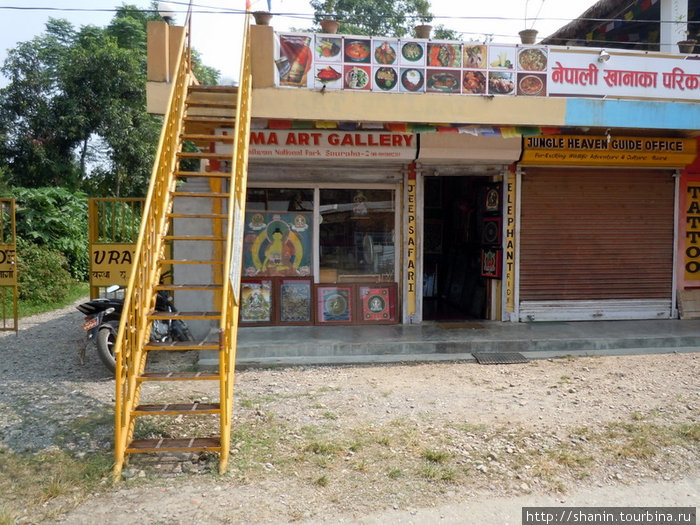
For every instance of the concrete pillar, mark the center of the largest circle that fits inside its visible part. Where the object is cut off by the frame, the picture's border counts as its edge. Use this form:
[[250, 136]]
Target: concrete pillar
[[674, 24]]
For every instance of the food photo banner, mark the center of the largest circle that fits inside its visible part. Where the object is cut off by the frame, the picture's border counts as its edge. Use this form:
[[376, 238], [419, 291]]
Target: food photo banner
[[391, 65]]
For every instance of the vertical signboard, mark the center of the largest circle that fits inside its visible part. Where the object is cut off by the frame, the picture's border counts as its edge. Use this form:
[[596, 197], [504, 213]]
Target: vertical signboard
[[411, 241], [510, 241], [691, 260], [8, 266]]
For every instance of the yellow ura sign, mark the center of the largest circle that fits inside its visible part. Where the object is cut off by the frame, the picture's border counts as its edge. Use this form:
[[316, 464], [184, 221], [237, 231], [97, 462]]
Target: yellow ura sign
[[8, 265], [110, 264], [574, 150]]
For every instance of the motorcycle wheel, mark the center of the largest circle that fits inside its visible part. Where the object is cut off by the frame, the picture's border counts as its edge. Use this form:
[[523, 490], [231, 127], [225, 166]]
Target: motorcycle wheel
[[106, 339]]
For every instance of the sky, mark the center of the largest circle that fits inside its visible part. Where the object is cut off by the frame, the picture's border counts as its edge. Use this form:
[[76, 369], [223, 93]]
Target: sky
[[216, 24]]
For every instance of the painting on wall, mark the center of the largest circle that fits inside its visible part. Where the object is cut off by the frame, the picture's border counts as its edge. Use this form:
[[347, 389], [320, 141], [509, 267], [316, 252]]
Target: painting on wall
[[256, 301], [277, 244], [377, 303], [334, 304], [295, 301]]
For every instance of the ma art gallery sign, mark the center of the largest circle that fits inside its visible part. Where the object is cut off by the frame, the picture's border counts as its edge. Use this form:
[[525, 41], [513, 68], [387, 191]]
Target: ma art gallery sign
[[329, 145]]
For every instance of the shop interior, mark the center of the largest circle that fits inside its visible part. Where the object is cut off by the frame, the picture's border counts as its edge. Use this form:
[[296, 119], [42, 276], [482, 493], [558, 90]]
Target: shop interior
[[461, 220]]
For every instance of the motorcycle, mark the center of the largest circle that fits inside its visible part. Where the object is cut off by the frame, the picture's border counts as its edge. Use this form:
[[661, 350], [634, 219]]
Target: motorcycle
[[102, 317]]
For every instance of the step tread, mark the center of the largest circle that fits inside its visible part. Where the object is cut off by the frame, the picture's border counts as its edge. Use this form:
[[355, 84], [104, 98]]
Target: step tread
[[188, 261], [173, 287], [201, 88], [213, 238], [180, 346], [211, 104], [183, 315], [177, 408], [179, 376], [215, 174], [219, 195], [207, 137], [198, 215], [204, 155], [174, 445]]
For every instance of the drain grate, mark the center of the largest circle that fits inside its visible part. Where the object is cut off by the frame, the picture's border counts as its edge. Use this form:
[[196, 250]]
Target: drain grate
[[499, 358]]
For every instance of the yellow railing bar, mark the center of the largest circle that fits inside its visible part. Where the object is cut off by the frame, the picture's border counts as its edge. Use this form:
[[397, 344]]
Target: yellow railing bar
[[234, 247], [140, 296]]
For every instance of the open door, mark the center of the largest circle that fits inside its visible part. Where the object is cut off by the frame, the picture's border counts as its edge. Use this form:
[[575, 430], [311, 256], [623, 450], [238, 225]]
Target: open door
[[458, 225]]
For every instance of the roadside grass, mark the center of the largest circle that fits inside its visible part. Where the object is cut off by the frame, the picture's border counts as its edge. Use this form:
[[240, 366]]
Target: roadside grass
[[72, 294], [47, 483]]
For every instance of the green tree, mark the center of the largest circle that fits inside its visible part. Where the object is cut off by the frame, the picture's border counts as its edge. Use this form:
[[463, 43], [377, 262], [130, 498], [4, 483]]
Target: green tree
[[74, 111], [374, 17]]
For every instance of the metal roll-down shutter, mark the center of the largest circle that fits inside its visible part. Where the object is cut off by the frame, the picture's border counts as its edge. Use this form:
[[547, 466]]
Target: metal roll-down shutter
[[596, 244]]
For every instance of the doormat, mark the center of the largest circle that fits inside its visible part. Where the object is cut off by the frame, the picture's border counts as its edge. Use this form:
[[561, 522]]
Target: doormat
[[499, 358], [453, 326]]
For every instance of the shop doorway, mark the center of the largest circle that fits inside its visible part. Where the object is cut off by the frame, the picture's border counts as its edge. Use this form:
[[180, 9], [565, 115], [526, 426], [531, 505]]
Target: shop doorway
[[454, 212]]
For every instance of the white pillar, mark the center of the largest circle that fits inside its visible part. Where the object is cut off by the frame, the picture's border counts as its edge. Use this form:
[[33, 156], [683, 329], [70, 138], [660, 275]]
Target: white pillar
[[674, 24]]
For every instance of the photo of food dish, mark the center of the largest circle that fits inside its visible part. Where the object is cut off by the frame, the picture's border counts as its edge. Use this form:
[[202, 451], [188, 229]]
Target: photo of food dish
[[328, 48], [474, 57], [501, 57], [386, 78], [357, 50], [501, 83], [356, 77], [532, 59], [440, 81], [531, 85], [412, 80], [385, 52], [328, 74], [444, 55], [474, 83], [412, 51]]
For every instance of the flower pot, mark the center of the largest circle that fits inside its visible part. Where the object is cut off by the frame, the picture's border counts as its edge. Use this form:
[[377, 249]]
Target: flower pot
[[423, 31], [329, 26], [262, 18], [528, 36], [687, 46]]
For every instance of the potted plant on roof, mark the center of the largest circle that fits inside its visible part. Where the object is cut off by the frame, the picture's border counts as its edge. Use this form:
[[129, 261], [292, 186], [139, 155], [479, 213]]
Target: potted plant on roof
[[423, 29], [329, 22], [262, 18], [687, 45], [528, 36]]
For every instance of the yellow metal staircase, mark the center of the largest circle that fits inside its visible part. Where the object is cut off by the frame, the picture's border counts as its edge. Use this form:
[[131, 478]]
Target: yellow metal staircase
[[194, 115]]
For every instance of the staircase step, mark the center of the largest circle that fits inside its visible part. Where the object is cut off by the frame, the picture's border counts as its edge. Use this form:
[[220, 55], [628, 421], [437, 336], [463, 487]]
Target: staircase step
[[211, 238], [205, 194], [175, 287], [199, 137], [179, 376], [180, 346], [210, 104], [214, 174], [204, 155], [200, 88], [211, 444], [198, 215], [174, 409], [164, 316], [187, 261]]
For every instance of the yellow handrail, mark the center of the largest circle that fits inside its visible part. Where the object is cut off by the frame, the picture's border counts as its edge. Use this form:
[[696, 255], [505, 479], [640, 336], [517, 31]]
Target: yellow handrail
[[234, 246], [140, 295]]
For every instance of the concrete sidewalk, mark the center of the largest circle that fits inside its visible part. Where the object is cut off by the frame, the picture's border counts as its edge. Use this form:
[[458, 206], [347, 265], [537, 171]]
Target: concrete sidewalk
[[451, 341]]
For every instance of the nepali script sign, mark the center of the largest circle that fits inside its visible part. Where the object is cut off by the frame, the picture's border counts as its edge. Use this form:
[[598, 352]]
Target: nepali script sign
[[580, 74]]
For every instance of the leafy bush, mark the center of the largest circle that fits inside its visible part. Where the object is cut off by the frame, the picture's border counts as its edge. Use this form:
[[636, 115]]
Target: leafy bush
[[56, 219], [43, 275]]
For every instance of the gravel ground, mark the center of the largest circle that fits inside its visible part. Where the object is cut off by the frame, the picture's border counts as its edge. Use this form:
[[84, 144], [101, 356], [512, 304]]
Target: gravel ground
[[420, 443]]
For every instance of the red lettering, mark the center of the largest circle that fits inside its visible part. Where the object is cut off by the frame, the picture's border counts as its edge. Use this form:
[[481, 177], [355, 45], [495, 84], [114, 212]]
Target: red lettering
[[291, 139], [397, 140], [371, 141], [333, 139], [257, 138], [317, 138], [303, 139], [347, 140], [358, 140], [385, 140]]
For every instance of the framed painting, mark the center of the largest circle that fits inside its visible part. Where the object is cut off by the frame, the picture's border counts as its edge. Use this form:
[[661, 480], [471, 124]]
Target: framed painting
[[491, 262], [491, 232], [492, 199], [377, 303], [256, 301], [334, 304], [295, 301]]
